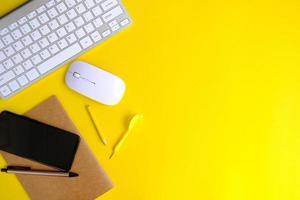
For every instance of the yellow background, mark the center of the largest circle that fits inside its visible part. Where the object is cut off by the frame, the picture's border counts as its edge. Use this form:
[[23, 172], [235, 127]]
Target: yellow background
[[219, 85]]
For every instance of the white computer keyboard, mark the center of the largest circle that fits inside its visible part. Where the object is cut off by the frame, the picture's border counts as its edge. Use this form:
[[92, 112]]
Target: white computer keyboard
[[52, 34]]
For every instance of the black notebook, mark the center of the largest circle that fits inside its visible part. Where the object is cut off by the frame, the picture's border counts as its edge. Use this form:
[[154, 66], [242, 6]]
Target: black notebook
[[37, 141]]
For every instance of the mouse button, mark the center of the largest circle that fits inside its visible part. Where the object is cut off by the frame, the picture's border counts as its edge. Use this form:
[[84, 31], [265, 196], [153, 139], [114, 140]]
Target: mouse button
[[78, 67], [80, 85], [111, 92], [119, 89], [93, 77]]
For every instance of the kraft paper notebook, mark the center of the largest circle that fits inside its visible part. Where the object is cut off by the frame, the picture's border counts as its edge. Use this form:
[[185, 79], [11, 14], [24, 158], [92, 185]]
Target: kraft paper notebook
[[92, 180]]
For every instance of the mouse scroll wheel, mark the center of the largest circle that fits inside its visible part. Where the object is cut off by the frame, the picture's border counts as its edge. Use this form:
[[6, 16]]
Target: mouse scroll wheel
[[76, 75]]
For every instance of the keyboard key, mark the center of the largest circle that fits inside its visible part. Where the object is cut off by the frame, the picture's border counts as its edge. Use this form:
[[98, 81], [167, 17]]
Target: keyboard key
[[26, 53], [62, 44], [7, 39], [79, 21], [5, 91], [26, 40], [45, 54], [36, 35], [44, 43], [50, 3], [71, 38], [27, 65], [98, 22], [80, 8], [14, 86], [61, 32], [70, 27], [9, 51], [2, 56], [59, 58], [88, 16], [18, 70], [61, 7], [89, 28], [32, 74], [71, 14], [113, 23], [36, 59], [17, 58], [32, 15], [52, 37], [96, 36], [52, 13], [18, 45], [62, 19], [22, 20], [4, 31], [25, 29], [4, 78], [108, 4], [86, 42], [124, 22], [89, 3], [53, 24], [70, 3], [34, 48], [13, 26], [22, 80], [43, 18], [106, 33], [8, 64], [34, 23], [53, 49], [115, 28], [45, 30], [80, 33], [112, 14], [97, 11], [41, 9]]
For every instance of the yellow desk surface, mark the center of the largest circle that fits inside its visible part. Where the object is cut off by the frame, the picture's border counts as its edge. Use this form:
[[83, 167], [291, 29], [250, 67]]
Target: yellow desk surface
[[219, 85]]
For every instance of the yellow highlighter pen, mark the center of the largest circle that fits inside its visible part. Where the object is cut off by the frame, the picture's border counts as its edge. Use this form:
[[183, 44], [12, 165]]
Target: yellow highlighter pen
[[95, 122], [135, 119]]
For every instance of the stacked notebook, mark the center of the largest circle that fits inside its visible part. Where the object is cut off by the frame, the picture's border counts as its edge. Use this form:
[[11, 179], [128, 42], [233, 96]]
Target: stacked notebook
[[92, 180]]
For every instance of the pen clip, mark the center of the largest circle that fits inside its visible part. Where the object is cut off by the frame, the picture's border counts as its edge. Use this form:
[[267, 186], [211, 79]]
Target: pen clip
[[18, 168]]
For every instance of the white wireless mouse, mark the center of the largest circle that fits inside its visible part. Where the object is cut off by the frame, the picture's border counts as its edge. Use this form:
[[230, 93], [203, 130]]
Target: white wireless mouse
[[95, 83]]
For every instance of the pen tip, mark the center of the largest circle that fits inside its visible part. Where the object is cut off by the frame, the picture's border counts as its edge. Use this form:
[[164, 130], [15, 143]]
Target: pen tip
[[72, 174], [104, 142]]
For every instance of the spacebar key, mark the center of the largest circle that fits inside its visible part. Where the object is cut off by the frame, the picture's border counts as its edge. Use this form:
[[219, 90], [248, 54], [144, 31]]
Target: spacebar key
[[59, 58]]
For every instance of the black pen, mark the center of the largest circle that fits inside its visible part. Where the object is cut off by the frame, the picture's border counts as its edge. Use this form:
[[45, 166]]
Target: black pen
[[29, 171]]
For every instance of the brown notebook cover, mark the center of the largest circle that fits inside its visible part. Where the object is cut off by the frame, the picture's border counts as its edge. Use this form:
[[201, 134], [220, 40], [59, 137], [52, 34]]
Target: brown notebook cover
[[92, 180]]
